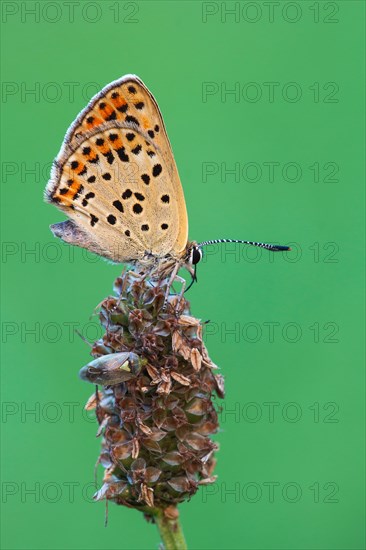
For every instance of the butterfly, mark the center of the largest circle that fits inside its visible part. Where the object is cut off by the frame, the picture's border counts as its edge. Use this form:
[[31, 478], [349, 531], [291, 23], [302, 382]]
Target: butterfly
[[116, 179]]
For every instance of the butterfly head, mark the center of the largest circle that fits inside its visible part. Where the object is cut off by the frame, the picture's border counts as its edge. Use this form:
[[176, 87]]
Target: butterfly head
[[193, 255], [196, 255]]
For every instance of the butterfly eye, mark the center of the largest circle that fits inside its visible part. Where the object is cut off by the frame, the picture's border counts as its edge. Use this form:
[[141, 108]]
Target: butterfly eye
[[196, 255]]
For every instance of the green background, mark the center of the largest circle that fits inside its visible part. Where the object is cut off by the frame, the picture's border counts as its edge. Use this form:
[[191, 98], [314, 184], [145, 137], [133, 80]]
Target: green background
[[310, 373]]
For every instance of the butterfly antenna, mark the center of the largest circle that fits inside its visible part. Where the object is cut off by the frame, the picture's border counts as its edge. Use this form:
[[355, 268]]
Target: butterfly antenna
[[272, 247]]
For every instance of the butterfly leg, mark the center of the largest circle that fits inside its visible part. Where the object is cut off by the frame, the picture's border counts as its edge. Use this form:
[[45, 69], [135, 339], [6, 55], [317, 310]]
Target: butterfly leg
[[170, 282], [180, 295], [175, 277]]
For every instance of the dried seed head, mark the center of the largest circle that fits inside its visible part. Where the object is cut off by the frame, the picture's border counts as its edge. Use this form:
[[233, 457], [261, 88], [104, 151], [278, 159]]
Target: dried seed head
[[155, 408]]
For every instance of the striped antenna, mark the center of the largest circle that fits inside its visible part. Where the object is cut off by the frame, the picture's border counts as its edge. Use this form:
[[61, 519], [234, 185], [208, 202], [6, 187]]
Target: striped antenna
[[272, 247]]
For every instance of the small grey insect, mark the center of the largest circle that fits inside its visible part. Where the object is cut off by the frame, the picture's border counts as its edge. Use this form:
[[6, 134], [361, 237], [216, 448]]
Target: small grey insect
[[112, 369]]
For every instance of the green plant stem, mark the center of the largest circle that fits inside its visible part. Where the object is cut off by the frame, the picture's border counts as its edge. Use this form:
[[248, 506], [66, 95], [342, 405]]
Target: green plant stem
[[170, 531]]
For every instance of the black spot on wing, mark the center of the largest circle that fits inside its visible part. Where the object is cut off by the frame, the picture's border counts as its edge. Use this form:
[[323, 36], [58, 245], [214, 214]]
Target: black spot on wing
[[157, 169], [118, 205], [87, 197], [121, 152], [112, 116], [109, 156], [132, 119], [127, 194], [122, 108], [94, 160], [93, 220], [78, 192], [137, 208]]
